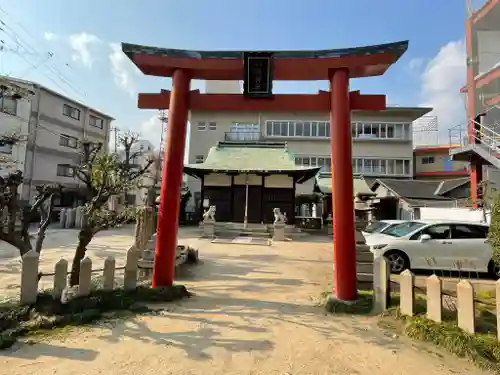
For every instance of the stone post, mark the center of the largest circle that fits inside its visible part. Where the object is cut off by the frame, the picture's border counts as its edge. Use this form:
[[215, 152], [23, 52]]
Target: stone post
[[434, 298], [70, 218], [29, 277], [109, 273], [465, 306], [62, 218], [381, 285], [279, 232], [329, 224], [209, 228], [85, 281], [407, 293], [60, 278], [78, 217]]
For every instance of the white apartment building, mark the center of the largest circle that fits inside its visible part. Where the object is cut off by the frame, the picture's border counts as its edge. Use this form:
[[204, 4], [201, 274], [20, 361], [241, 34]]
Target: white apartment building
[[382, 141], [142, 151], [54, 125]]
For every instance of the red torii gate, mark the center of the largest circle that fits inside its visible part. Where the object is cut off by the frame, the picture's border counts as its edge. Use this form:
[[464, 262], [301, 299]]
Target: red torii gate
[[336, 66]]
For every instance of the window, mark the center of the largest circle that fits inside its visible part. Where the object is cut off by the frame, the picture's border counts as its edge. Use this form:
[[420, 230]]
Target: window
[[437, 232], [469, 231], [399, 167], [298, 129], [65, 170], [368, 130], [68, 141], [202, 126], [212, 125], [71, 112], [428, 160], [8, 105], [241, 131], [96, 122], [199, 159], [314, 161]]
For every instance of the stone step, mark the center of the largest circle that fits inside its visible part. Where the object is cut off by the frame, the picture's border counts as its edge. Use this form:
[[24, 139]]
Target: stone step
[[365, 277], [364, 257], [364, 268]]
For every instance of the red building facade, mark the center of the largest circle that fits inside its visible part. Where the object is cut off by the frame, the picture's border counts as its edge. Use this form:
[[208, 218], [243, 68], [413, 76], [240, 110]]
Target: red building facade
[[482, 35]]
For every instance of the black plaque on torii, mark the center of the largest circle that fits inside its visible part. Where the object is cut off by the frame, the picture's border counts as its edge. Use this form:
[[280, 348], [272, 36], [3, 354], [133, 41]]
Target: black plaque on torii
[[258, 79]]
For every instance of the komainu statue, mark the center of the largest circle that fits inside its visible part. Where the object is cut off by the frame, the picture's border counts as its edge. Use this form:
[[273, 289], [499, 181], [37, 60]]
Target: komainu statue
[[279, 218], [209, 214]]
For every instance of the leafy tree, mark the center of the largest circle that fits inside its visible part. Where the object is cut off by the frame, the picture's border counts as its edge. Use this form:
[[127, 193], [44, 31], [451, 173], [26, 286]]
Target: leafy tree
[[103, 175]]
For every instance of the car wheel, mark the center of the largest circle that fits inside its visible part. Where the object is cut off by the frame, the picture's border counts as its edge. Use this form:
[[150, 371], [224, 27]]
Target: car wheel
[[494, 270], [398, 261]]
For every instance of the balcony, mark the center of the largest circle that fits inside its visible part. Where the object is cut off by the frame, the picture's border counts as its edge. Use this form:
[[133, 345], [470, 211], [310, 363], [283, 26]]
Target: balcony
[[242, 136]]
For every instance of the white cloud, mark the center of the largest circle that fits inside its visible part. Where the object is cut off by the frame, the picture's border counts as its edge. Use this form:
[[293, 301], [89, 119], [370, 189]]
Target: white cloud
[[441, 80], [48, 35], [122, 69], [151, 130], [80, 44]]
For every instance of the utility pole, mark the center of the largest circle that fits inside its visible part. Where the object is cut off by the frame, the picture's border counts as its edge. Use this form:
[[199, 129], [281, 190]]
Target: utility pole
[[115, 130], [163, 117]]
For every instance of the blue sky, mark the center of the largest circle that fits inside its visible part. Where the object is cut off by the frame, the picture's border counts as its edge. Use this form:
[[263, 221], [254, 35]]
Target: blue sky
[[86, 64]]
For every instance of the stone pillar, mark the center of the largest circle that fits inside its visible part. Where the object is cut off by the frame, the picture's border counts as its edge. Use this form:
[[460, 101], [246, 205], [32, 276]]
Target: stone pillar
[[208, 228], [171, 182], [70, 218], [279, 232], [62, 218], [344, 244], [329, 223]]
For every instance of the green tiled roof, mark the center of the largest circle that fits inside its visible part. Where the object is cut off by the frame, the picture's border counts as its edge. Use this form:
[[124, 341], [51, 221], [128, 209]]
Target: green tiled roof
[[247, 157], [360, 187]]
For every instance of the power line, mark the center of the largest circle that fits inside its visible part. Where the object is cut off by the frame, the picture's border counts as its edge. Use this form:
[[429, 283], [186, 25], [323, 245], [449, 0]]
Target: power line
[[20, 41]]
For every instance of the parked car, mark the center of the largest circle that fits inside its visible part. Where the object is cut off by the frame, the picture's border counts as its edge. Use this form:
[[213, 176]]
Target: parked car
[[380, 226], [436, 245]]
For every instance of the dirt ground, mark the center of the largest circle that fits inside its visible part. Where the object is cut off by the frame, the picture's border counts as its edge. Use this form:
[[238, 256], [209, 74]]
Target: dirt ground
[[254, 312]]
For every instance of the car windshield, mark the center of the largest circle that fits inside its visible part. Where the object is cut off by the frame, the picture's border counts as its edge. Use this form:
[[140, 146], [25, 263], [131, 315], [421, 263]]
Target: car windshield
[[390, 226], [403, 229], [375, 227]]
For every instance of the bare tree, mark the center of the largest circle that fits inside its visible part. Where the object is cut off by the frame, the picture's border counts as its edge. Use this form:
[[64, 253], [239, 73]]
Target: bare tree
[[16, 215], [103, 175]]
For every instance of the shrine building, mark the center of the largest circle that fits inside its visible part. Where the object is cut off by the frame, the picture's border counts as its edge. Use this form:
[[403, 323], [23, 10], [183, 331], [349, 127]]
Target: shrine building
[[382, 144]]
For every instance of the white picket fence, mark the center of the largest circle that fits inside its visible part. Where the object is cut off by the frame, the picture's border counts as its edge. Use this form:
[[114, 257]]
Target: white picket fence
[[30, 270], [465, 303]]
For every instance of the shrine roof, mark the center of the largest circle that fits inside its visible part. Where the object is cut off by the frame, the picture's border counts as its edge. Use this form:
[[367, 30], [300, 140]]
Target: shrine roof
[[251, 157], [323, 184], [288, 65]]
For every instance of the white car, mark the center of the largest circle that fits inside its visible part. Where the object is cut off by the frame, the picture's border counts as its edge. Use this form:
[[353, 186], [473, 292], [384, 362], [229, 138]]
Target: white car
[[436, 245], [380, 226]]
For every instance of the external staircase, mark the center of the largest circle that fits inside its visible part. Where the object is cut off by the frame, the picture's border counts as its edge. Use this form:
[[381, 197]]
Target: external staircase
[[486, 144]]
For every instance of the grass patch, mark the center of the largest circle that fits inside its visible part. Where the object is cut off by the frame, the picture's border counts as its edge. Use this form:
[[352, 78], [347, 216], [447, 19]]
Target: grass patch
[[48, 313], [483, 349], [362, 305]]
